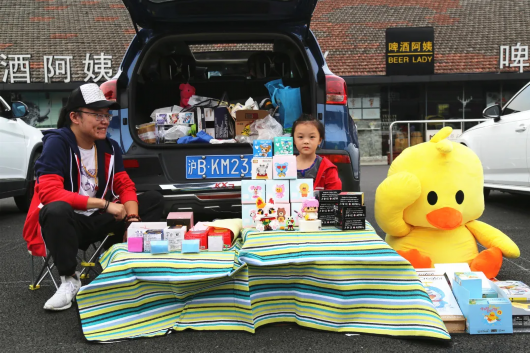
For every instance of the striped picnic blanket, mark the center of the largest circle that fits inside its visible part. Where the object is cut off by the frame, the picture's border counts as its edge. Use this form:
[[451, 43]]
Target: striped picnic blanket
[[349, 281]]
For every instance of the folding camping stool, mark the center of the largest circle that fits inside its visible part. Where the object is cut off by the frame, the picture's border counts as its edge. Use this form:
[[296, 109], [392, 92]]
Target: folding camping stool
[[88, 265]]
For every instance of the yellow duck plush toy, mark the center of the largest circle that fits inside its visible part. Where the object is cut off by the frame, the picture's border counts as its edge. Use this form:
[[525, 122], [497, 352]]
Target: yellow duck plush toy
[[429, 205]]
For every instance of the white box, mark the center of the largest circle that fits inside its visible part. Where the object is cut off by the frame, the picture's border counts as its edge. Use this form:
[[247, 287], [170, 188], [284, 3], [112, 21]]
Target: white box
[[310, 226], [175, 235], [148, 230], [261, 168], [215, 243]]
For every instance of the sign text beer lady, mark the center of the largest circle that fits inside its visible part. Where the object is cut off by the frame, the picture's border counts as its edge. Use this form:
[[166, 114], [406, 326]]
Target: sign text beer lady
[[410, 51]]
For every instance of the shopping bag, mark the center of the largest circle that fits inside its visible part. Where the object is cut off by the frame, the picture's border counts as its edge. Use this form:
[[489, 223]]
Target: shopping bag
[[288, 100]]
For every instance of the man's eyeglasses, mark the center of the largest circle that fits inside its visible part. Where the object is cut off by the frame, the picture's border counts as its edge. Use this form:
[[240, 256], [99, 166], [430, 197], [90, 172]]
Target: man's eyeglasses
[[99, 116]]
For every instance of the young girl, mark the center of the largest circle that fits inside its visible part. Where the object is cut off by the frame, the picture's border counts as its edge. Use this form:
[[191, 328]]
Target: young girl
[[307, 134]]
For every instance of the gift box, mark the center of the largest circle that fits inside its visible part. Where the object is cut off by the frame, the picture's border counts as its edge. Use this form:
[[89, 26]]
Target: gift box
[[180, 219], [163, 119], [324, 196], [224, 123], [215, 243], [135, 244], [471, 282], [277, 190], [187, 118], [151, 235], [326, 209], [248, 215], [351, 199], [175, 235], [283, 145], [147, 231], [284, 167], [159, 246], [327, 219], [226, 237], [310, 226], [261, 168], [244, 118], [190, 246], [201, 235], [301, 189], [263, 148], [350, 224], [296, 212], [251, 190]]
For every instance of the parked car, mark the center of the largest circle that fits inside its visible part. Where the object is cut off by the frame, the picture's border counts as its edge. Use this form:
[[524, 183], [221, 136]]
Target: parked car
[[503, 145], [233, 50], [20, 147]]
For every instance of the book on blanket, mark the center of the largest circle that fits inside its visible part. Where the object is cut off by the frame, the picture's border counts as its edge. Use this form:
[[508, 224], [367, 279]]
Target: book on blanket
[[437, 286]]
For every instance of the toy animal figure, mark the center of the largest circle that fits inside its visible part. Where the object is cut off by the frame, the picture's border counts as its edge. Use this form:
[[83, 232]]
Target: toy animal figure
[[265, 149], [266, 215], [186, 91], [304, 189], [429, 205], [290, 223], [261, 172], [281, 169], [255, 190], [280, 191], [310, 209], [281, 215]]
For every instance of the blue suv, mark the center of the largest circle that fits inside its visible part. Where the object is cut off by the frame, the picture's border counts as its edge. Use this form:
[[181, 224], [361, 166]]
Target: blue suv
[[223, 49]]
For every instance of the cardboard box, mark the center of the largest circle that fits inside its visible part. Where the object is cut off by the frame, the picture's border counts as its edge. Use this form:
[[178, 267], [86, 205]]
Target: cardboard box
[[159, 246], [180, 219], [351, 199], [152, 235], [323, 196], [277, 190], [310, 226], [244, 118], [471, 282], [327, 219], [201, 235], [248, 215], [261, 168], [345, 213], [175, 235], [224, 123], [301, 189], [191, 246], [284, 167], [326, 209], [251, 190], [283, 145], [162, 119], [148, 231], [484, 315], [350, 224], [135, 244], [215, 243], [262, 148], [187, 118], [226, 237]]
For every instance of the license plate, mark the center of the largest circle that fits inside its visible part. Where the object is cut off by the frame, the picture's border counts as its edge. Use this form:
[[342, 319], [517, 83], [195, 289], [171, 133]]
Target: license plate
[[215, 167]]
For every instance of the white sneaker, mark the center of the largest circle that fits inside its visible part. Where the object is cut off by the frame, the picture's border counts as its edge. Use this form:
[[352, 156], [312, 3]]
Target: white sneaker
[[62, 299]]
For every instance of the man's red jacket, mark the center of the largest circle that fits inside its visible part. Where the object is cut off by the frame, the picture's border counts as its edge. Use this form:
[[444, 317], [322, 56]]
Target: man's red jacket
[[59, 178]]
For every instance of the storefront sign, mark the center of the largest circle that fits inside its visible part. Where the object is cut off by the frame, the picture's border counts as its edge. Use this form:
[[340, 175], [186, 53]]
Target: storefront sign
[[410, 51], [514, 56], [17, 68]]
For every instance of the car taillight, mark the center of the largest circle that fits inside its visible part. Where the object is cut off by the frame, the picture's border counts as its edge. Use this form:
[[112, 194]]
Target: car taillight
[[337, 158], [336, 90], [110, 90], [131, 163]]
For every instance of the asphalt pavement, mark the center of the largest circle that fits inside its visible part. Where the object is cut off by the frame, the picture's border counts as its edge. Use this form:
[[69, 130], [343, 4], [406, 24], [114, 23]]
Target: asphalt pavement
[[26, 327]]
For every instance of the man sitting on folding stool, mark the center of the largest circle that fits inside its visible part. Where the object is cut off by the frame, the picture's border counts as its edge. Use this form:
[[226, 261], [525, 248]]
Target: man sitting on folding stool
[[80, 175]]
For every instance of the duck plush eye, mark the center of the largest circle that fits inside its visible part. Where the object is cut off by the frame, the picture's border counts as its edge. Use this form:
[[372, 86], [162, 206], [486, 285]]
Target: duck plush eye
[[432, 198], [459, 197]]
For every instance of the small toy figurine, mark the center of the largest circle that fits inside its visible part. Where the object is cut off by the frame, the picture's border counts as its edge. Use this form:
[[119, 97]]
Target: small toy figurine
[[281, 215], [266, 215], [186, 91], [290, 223], [310, 209]]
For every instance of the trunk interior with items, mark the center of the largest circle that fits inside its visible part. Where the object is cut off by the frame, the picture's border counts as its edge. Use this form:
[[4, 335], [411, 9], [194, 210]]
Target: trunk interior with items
[[230, 70]]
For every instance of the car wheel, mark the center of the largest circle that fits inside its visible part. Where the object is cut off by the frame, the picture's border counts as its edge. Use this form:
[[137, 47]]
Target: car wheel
[[486, 193], [23, 201]]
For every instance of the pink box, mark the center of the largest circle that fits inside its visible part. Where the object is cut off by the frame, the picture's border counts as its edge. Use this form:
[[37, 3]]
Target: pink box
[[180, 219], [284, 167], [135, 244]]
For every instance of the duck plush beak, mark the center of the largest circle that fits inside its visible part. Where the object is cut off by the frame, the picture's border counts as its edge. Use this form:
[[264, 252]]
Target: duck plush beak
[[446, 218]]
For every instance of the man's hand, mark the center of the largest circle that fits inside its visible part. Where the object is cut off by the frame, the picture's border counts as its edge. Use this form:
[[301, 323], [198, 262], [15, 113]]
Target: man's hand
[[127, 226], [117, 210]]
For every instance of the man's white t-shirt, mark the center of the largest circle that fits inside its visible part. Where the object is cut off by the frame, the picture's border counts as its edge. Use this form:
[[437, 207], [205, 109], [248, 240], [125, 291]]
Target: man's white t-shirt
[[88, 183]]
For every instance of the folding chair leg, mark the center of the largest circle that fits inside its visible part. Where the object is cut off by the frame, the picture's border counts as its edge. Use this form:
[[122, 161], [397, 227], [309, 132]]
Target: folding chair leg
[[45, 271], [91, 263]]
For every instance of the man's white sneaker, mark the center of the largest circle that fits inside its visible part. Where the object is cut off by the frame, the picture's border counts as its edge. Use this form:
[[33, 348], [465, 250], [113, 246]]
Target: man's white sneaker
[[62, 299]]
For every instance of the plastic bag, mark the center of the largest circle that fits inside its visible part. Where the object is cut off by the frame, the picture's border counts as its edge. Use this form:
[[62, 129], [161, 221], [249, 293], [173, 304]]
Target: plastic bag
[[266, 129], [206, 102], [177, 131]]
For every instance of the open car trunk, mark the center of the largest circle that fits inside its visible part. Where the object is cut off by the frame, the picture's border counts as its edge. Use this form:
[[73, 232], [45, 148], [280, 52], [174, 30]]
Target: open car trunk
[[233, 67]]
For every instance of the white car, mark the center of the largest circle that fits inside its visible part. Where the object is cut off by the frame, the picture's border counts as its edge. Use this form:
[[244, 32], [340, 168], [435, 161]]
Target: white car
[[503, 144], [20, 147]]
